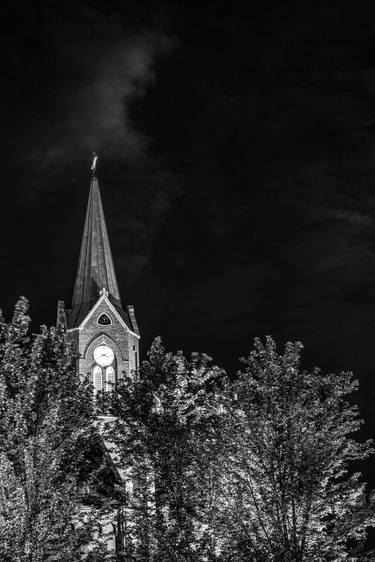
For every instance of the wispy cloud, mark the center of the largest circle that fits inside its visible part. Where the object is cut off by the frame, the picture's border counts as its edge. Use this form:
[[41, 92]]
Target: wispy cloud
[[101, 71]]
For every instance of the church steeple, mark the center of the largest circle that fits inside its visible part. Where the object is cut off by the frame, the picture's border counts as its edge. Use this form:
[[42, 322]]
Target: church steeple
[[103, 333], [95, 267]]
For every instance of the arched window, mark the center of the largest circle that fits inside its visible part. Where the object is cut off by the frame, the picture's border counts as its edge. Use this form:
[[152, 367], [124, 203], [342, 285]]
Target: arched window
[[110, 378], [104, 320], [97, 378]]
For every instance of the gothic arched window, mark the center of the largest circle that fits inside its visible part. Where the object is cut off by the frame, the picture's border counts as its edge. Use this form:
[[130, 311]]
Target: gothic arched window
[[97, 378], [110, 378], [104, 320]]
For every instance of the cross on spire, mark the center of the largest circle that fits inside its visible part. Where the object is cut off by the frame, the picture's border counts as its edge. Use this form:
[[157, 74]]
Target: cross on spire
[[93, 164]]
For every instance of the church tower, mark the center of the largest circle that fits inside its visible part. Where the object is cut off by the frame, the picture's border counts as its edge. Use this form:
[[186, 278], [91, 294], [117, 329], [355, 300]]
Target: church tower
[[104, 331]]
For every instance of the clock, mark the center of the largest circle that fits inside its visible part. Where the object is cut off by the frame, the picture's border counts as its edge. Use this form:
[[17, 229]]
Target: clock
[[103, 355]]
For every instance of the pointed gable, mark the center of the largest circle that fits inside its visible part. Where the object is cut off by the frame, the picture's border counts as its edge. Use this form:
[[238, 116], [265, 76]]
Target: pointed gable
[[95, 267]]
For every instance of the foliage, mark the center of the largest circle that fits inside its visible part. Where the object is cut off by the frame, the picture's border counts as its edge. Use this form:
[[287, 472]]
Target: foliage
[[196, 467], [288, 493], [165, 417], [45, 414]]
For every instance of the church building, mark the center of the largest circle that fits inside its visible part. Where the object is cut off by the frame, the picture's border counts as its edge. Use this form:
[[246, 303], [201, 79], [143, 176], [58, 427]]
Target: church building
[[103, 329]]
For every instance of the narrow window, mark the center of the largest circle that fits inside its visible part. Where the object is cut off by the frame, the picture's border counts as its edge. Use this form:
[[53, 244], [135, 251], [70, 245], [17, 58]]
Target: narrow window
[[97, 378], [109, 378]]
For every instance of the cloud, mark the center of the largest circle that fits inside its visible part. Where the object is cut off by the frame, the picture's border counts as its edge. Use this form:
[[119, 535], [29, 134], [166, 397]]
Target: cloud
[[352, 217], [71, 82], [70, 72], [99, 75]]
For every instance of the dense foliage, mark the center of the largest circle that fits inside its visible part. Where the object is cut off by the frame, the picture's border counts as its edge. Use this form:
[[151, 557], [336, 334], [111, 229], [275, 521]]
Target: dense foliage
[[256, 469], [45, 426], [193, 466], [290, 495], [165, 420]]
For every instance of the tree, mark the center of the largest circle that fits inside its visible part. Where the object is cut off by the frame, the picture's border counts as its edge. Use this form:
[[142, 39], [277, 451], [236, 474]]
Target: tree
[[45, 428], [165, 419], [288, 493]]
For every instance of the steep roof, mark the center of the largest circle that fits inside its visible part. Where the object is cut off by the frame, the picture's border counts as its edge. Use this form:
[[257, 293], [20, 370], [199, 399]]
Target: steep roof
[[95, 266]]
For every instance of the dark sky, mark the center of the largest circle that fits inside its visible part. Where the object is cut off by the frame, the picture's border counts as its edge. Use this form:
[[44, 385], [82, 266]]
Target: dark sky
[[237, 169]]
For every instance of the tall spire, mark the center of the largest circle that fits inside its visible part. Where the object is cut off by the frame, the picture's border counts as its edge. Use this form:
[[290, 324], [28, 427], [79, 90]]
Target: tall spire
[[95, 267]]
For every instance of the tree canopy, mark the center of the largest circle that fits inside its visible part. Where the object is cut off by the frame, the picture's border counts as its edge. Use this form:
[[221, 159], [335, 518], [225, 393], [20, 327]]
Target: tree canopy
[[46, 417], [253, 468], [291, 494], [193, 465]]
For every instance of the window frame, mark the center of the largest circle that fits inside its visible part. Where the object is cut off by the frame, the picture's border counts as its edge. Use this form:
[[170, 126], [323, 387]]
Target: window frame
[[94, 367], [108, 316], [109, 388]]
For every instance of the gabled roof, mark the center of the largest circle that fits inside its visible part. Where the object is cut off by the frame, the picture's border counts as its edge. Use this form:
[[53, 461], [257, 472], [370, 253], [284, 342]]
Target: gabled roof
[[95, 266], [126, 319]]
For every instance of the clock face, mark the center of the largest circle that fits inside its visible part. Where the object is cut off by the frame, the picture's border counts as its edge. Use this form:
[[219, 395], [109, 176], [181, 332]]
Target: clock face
[[103, 355]]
